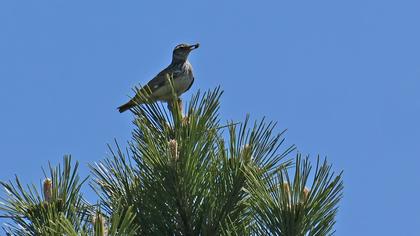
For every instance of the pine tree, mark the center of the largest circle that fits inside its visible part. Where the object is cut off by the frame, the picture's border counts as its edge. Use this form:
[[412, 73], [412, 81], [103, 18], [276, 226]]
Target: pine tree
[[184, 175]]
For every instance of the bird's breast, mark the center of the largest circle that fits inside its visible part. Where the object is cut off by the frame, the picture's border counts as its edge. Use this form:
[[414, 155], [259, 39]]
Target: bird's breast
[[183, 82], [184, 79]]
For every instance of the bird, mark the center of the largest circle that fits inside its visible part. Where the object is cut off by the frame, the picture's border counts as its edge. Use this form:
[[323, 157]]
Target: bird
[[180, 72]]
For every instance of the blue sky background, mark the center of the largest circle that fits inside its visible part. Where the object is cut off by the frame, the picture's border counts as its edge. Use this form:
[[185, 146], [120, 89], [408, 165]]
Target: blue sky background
[[342, 76]]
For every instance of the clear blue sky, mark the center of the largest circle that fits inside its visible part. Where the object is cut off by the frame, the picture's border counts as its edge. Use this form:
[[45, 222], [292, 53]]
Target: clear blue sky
[[342, 76]]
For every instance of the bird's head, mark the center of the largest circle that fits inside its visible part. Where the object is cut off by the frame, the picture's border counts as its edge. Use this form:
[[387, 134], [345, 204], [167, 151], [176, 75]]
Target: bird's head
[[182, 51]]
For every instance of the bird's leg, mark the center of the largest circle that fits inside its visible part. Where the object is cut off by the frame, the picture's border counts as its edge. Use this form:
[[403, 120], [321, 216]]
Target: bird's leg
[[185, 119], [171, 104], [179, 101]]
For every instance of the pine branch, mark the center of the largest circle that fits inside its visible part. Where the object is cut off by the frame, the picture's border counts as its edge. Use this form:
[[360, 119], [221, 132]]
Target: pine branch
[[33, 213], [182, 179], [283, 206], [183, 175]]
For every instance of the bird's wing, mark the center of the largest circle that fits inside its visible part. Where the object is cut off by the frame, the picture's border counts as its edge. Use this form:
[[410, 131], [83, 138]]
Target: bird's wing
[[161, 79], [190, 84]]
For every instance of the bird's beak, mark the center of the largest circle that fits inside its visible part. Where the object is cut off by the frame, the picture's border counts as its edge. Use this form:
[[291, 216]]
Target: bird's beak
[[194, 46]]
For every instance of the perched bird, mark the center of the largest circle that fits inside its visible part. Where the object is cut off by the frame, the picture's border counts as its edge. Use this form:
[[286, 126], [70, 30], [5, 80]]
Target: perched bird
[[158, 89]]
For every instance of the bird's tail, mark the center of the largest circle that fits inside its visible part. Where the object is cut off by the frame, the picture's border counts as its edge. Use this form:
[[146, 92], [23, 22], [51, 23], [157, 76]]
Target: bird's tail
[[126, 106]]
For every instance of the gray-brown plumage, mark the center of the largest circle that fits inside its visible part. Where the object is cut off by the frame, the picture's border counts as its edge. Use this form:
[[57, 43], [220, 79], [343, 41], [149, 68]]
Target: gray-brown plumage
[[180, 72]]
